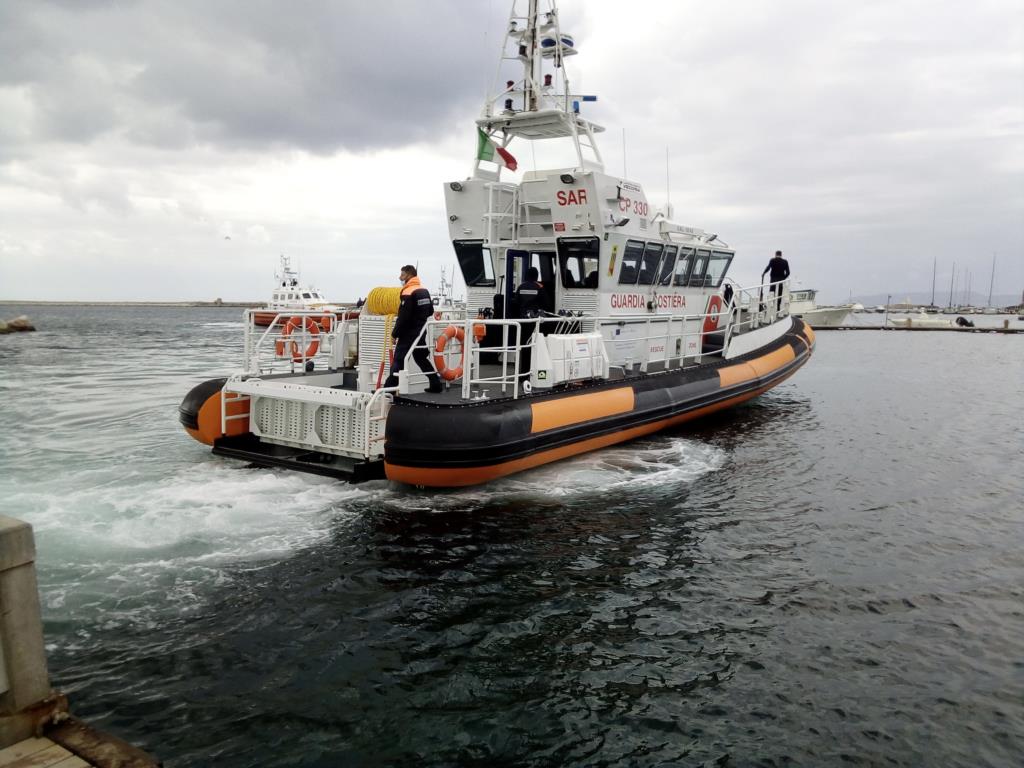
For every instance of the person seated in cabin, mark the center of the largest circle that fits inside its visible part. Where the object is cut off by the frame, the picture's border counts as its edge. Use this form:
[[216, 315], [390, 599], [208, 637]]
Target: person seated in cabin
[[591, 280]]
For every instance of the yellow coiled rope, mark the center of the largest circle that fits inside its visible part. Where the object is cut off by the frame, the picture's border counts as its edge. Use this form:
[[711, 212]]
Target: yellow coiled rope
[[383, 301]]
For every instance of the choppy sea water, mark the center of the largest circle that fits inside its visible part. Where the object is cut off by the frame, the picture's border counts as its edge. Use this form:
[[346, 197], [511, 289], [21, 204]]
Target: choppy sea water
[[831, 574]]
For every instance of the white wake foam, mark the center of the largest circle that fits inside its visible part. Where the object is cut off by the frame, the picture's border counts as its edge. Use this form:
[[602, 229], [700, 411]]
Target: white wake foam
[[658, 462]]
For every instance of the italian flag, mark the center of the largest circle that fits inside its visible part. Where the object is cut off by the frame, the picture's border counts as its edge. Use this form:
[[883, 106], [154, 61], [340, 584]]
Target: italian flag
[[488, 150]]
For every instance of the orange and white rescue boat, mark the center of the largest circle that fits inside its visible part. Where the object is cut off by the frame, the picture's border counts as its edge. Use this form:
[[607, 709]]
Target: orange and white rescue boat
[[289, 296], [641, 327]]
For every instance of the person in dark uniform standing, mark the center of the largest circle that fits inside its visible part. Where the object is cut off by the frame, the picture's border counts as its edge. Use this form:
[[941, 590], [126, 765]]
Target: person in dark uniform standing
[[414, 310], [529, 299], [779, 269]]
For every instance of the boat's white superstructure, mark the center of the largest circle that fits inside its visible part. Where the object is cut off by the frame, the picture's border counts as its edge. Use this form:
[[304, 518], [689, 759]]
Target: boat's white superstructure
[[601, 248]]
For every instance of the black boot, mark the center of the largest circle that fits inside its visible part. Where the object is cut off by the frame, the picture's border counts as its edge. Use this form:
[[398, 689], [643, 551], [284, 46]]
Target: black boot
[[435, 383]]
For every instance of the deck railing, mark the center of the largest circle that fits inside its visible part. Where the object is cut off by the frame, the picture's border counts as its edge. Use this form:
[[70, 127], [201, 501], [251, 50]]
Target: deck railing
[[636, 343], [270, 349], [666, 342]]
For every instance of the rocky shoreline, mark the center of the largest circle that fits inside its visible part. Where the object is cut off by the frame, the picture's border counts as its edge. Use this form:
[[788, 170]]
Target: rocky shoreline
[[17, 325]]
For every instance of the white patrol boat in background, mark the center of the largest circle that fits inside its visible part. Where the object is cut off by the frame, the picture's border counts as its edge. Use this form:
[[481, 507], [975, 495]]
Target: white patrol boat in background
[[289, 296], [641, 327]]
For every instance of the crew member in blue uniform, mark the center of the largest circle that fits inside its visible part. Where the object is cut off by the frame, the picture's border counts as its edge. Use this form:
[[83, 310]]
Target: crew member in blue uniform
[[414, 310], [529, 299], [779, 269]]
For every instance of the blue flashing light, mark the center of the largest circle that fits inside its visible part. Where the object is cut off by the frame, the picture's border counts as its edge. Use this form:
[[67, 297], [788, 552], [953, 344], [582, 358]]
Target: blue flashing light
[[576, 107], [590, 98]]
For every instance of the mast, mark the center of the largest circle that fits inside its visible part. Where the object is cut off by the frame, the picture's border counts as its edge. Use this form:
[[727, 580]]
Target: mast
[[952, 277], [991, 280], [935, 262], [540, 103]]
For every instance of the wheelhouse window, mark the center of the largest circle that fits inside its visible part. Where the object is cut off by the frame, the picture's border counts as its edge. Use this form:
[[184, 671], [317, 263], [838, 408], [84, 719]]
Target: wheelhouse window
[[718, 265], [578, 261], [683, 266], [475, 263], [668, 264], [631, 259], [649, 263], [698, 275], [306, 296]]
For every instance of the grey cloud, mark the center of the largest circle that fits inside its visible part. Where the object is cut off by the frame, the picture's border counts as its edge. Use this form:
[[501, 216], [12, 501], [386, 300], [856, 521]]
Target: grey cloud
[[322, 76]]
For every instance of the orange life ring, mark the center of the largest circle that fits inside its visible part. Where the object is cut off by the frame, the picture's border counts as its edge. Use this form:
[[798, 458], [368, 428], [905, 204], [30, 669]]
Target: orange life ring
[[446, 373], [294, 352], [479, 331], [711, 322]]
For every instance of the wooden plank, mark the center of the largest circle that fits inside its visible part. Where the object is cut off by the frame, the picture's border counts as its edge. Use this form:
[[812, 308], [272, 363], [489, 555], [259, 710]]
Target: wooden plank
[[96, 747], [72, 762], [44, 758], [22, 748]]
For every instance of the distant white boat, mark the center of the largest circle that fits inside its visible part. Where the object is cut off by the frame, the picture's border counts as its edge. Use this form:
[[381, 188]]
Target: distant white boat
[[289, 296], [801, 304], [921, 320]]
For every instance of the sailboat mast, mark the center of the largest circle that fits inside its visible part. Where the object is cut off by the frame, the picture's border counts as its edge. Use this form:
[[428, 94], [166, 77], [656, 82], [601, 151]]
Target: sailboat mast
[[952, 278], [991, 280], [935, 262]]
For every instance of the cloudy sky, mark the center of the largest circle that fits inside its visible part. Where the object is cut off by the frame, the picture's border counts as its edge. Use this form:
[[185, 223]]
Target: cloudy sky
[[165, 150]]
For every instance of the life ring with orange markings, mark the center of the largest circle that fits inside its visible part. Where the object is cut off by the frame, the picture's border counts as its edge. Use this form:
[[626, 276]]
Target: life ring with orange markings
[[293, 324], [449, 333], [711, 321]]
